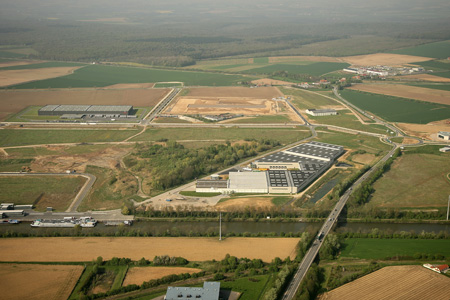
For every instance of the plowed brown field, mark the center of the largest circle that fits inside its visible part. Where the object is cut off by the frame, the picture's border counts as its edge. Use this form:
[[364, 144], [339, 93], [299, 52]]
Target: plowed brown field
[[19, 281], [259, 93], [193, 249], [10, 77], [240, 203], [17, 100], [397, 282], [385, 59], [406, 91], [425, 77], [140, 274]]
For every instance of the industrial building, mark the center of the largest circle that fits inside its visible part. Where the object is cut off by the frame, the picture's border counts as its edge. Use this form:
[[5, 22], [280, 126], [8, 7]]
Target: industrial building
[[94, 110], [209, 291], [444, 135], [287, 171], [321, 112]]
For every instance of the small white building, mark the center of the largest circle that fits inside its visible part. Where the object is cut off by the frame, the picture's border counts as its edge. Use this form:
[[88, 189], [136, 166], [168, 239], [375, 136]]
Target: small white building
[[321, 112], [445, 135], [445, 149]]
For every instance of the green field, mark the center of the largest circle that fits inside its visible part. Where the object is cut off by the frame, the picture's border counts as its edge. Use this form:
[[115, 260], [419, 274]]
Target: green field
[[434, 50], [394, 109], [435, 65], [169, 120], [367, 248], [414, 181], [167, 84], [100, 75], [315, 69], [284, 135], [195, 194], [43, 191], [364, 142], [305, 99], [250, 287], [263, 119], [43, 65], [21, 137]]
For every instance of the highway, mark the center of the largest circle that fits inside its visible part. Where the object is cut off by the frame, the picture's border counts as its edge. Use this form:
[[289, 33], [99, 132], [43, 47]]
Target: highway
[[160, 106], [329, 223]]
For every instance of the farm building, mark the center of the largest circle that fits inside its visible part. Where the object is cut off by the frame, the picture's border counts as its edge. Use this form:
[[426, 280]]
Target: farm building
[[445, 149], [287, 171], [321, 112], [108, 110], [437, 268], [209, 291], [444, 135]]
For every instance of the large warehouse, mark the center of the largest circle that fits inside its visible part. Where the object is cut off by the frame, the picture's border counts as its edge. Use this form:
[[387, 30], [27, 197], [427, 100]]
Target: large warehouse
[[288, 171], [100, 110]]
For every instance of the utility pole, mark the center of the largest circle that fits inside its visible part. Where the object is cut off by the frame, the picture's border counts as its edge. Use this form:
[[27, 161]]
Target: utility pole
[[220, 225]]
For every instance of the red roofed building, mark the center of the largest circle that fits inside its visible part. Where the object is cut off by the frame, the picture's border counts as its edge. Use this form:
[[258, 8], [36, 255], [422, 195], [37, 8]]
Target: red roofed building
[[438, 269]]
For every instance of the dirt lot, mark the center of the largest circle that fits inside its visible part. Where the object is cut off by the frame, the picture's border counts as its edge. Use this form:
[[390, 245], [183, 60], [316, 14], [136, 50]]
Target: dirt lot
[[269, 81], [19, 281], [130, 86], [239, 203], [139, 275], [427, 131], [385, 59], [397, 282], [193, 249], [406, 91], [425, 77], [10, 77], [258, 93], [13, 101]]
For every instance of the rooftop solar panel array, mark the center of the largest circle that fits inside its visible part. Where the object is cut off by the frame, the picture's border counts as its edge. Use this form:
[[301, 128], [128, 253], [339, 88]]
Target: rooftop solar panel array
[[278, 178]]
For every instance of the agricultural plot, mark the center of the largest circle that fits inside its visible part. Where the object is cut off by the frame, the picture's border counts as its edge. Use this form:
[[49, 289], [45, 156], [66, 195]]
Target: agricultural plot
[[444, 87], [305, 99], [33, 281], [395, 282], [14, 101], [384, 59], [414, 181], [100, 76], [236, 204], [21, 137], [424, 77], [138, 275], [42, 65], [283, 135], [314, 68], [406, 91], [54, 191], [395, 109], [369, 144], [14, 77], [193, 249], [435, 50]]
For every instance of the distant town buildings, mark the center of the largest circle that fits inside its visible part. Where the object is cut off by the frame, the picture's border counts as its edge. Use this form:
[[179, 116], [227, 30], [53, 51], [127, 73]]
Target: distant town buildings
[[383, 71], [321, 112]]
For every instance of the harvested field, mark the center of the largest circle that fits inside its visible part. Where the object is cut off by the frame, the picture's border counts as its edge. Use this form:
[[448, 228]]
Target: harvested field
[[427, 131], [22, 281], [259, 93], [130, 86], [17, 63], [193, 249], [269, 81], [11, 77], [396, 282], [13, 101], [425, 77], [385, 59], [138, 275], [406, 91], [241, 203]]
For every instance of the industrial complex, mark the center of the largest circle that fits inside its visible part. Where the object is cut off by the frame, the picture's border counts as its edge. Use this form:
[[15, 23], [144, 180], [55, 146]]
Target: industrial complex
[[321, 112], [287, 171], [87, 110]]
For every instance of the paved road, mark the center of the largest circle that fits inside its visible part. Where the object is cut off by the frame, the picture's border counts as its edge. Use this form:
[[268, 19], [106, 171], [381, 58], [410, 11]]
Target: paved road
[[314, 249], [161, 105]]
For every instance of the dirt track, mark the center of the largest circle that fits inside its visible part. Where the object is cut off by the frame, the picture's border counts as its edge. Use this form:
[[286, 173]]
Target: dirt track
[[397, 282], [193, 249], [22, 281]]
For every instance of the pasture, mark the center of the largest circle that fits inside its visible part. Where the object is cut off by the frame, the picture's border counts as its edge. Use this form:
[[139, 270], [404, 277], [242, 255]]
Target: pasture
[[371, 248], [193, 249], [394, 282], [395, 109], [283, 135], [101, 75], [34, 281], [434, 50], [409, 181], [42, 191]]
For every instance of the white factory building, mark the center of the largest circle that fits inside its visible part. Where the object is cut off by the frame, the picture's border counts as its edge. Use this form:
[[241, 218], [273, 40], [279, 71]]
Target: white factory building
[[321, 112], [444, 135]]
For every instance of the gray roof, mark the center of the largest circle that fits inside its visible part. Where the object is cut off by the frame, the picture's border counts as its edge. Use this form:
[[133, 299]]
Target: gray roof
[[248, 180], [110, 108], [278, 178], [49, 108], [87, 108], [298, 177], [446, 133], [209, 291], [322, 110]]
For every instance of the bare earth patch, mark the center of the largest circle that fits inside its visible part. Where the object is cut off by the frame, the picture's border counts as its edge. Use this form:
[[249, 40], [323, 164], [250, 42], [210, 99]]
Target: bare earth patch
[[425, 77], [397, 282], [406, 91], [10, 77], [386, 59], [427, 131], [240, 203], [22, 281], [262, 92], [138, 275], [268, 81], [193, 249], [13, 101]]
